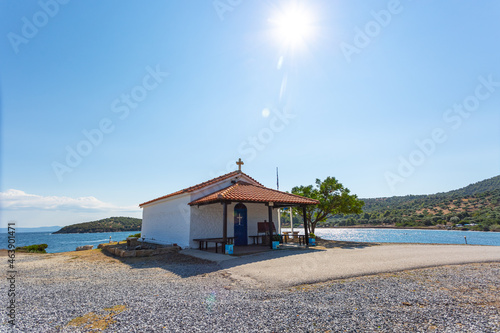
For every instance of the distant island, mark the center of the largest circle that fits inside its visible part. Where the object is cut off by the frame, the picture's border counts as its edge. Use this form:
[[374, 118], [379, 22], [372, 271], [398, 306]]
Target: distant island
[[111, 224], [474, 207], [33, 229]]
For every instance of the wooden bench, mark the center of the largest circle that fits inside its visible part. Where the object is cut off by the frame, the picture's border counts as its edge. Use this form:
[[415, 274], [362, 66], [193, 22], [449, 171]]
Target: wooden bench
[[286, 237], [256, 238], [203, 243]]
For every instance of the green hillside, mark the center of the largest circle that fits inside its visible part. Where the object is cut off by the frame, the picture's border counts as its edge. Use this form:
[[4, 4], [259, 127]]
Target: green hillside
[[478, 204], [111, 224]]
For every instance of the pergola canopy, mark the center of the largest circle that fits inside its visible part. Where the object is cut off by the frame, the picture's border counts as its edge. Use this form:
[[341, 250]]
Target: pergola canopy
[[245, 192]]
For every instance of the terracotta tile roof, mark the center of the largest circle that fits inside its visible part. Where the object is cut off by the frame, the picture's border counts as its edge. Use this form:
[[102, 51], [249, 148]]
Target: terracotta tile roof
[[201, 185], [245, 192]]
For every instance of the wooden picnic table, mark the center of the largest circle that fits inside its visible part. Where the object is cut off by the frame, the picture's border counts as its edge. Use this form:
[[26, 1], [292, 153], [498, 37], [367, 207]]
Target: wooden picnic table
[[284, 237], [302, 238]]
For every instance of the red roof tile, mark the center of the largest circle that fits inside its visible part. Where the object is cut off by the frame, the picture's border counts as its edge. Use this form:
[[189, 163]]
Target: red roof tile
[[201, 185], [245, 192]]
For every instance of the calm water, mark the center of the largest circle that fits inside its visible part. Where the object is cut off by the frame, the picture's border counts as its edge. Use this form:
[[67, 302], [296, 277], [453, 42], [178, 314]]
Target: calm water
[[407, 236], [64, 242], [69, 242]]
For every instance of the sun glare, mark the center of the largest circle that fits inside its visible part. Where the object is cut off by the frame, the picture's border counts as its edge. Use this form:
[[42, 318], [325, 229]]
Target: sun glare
[[293, 26]]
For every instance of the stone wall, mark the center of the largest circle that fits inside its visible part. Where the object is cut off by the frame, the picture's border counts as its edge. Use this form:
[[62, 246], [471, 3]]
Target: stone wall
[[121, 250]]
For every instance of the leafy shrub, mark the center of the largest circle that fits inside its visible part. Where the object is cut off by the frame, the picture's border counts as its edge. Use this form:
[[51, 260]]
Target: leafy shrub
[[427, 222], [138, 235], [37, 248], [480, 228]]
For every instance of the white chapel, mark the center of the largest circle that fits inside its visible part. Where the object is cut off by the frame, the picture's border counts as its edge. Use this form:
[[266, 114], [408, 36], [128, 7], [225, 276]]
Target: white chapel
[[230, 209]]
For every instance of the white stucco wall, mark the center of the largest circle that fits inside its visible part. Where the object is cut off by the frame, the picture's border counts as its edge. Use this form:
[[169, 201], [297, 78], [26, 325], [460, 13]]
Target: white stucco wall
[[167, 221], [206, 222], [258, 213]]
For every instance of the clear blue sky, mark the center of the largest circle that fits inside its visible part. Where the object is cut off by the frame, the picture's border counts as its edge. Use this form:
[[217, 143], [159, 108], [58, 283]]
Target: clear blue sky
[[389, 97]]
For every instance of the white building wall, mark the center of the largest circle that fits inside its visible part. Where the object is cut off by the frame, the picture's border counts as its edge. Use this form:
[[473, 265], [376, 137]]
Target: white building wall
[[206, 222], [257, 212], [167, 221]]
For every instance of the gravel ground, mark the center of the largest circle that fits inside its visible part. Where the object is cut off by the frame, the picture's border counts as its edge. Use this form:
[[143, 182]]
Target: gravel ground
[[88, 291]]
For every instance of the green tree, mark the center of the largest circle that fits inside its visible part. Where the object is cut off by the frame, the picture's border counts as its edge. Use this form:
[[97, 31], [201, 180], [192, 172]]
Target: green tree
[[334, 199]]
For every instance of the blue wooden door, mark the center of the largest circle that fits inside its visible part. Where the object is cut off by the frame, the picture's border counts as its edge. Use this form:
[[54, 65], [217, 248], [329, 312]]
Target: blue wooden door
[[240, 224]]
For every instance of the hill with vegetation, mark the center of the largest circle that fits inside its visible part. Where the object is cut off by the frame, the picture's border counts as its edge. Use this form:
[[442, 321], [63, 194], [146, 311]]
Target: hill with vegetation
[[111, 224], [475, 207]]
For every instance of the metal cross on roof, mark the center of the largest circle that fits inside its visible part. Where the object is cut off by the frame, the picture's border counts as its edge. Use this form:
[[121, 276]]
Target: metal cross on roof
[[240, 163]]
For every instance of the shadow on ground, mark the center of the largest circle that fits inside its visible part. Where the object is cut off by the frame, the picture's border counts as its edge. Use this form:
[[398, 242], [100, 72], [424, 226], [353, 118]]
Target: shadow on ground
[[185, 266], [322, 245], [181, 265]]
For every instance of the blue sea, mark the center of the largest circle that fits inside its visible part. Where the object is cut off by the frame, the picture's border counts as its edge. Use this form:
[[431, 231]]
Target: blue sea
[[407, 236], [69, 242], [64, 242]]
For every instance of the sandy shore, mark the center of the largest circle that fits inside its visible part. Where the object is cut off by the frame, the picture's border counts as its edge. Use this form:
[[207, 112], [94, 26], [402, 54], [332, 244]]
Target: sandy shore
[[88, 290]]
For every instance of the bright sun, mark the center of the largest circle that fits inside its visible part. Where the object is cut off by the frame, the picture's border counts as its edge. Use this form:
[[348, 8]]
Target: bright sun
[[293, 26]]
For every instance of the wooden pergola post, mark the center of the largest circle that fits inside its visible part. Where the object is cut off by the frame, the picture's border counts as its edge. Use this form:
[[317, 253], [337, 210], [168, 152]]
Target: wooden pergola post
[[270, 210], [306, 228], [224, 227]]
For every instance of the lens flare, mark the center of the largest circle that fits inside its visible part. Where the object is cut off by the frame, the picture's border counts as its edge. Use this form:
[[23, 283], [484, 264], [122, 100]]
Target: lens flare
[[293, 25]]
